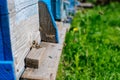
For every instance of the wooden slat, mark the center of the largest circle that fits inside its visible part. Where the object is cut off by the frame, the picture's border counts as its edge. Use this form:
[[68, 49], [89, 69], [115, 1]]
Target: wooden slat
[[49, 65], [48, 27], [34, 57], [45, 71], [16, 6]]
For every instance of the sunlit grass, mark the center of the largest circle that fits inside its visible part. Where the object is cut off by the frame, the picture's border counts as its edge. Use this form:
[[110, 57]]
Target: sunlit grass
[[92, 50]]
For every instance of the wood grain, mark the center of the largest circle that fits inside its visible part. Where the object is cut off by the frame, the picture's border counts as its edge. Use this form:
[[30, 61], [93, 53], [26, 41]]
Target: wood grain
[[34, 57], [49, 65], [24, 29], [47, 29]]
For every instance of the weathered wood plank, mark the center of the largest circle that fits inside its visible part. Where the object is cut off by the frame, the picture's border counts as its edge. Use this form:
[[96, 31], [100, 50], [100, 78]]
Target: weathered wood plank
[[48, 27], [28, 31], [34, 57], [16, 6], [45, 71], [49, 65], [24, 29]]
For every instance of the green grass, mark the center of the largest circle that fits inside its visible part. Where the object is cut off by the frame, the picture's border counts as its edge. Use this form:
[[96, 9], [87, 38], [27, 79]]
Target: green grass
[[92, 46]]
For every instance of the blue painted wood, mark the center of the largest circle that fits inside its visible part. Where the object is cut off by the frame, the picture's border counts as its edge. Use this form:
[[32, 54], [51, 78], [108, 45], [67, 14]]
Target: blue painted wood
[[1, 42], [72, 3], [48, 4], [71, 8], [6, 38], [5, 30], [53, 8], [3, 6], [66, 6], [6, 64], [6, 70], [56, 9]]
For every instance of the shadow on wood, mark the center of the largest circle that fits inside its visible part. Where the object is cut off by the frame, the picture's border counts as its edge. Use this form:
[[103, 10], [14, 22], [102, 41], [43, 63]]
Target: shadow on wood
[[47, 69], [48, 28]]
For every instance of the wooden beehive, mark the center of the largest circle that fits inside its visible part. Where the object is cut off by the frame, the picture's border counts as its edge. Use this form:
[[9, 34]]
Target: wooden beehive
[[20, 22], [24, 23], [20, 27], [24, 29], [57, 9]]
